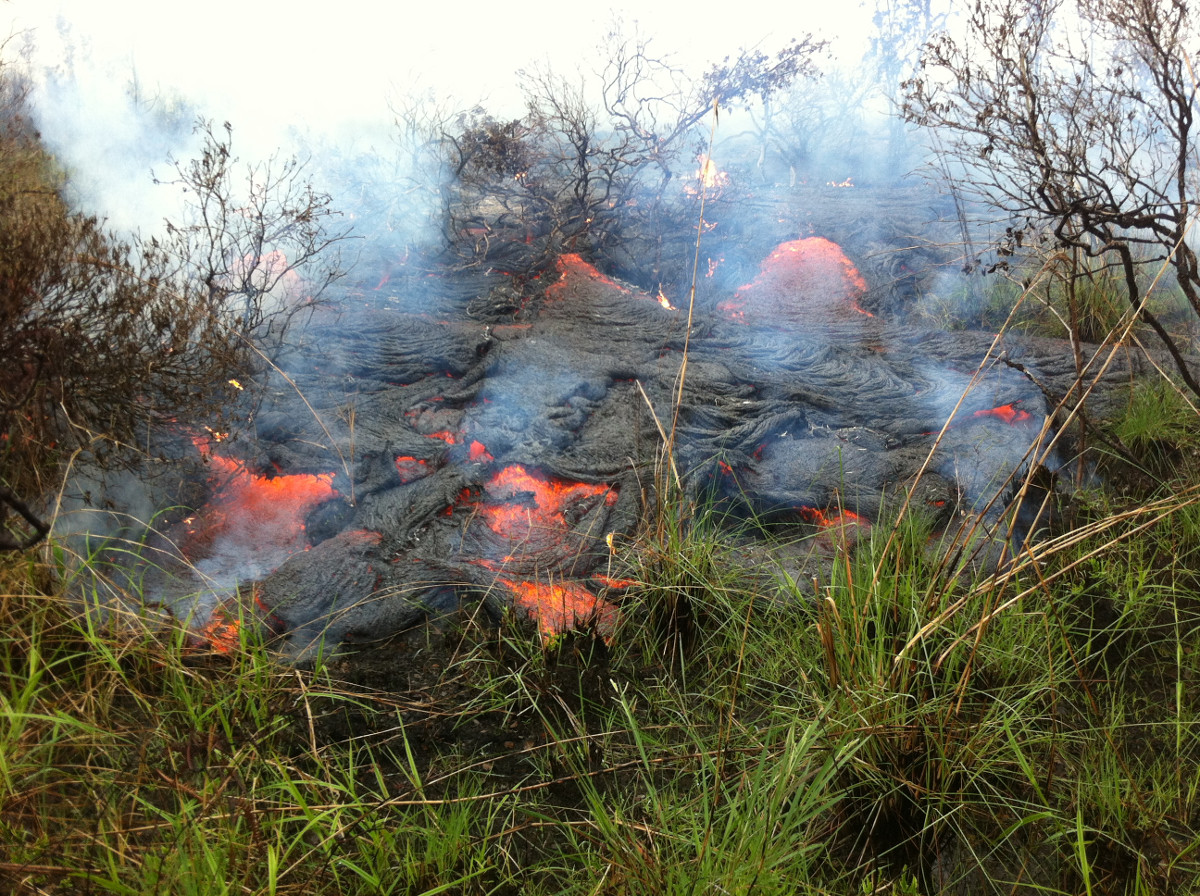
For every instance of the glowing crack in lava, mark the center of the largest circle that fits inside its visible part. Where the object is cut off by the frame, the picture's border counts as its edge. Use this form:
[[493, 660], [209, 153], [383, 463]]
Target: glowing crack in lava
[[832, 519], [531, 517], [251, 523], [529, 510], [1006, 413], [798, 279]]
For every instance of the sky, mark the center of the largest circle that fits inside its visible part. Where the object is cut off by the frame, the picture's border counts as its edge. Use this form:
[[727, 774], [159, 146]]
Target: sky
[[290, 60]]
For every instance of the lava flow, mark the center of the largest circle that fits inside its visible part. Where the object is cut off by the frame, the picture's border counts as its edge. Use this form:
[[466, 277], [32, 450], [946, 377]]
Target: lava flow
[[529, 510], [251, 523], [836, 519], [1008, 413], [560, 607], [799, 278], [573, 271], [1011, 414], [530, 521]]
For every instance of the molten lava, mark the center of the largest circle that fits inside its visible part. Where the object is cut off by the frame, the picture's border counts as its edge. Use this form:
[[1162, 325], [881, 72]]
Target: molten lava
[[561, 606], [836, 519], [1008, 413], [412, 468], [799, 279], [573, 271], [524, 504], [255, 514]]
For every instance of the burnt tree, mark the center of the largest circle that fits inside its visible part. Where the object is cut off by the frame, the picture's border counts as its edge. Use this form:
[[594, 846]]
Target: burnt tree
[[103, 337], [595, 166], [1075, 118]]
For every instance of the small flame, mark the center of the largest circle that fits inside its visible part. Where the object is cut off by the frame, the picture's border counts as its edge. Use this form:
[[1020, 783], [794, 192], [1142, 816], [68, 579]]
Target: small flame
[[709, 175], [664, 301], [221, 633]]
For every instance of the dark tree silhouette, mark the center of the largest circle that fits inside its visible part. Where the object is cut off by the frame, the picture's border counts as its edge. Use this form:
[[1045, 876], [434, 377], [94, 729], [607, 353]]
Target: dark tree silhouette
[[1076, 118]]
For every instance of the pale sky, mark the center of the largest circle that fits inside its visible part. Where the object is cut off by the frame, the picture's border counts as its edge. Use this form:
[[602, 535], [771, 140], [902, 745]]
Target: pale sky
[[297, 60], [328, 69]]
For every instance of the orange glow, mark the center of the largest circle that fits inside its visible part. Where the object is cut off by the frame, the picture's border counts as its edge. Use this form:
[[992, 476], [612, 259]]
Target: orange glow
[[510, 514], [1008, 413], [834, 519], [411, 468], [478, 453], [220, 632], [563, 606], [709, 175], [267, 513], [573, 270], [610, 582], [664, 301], [446, 436], [811, 274]]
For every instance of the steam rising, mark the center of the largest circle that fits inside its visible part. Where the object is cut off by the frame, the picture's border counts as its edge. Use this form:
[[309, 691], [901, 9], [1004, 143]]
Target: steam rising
[[120, 83]]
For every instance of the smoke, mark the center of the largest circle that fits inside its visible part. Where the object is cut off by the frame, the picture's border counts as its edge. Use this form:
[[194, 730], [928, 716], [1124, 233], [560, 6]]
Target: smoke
[[119, 83]]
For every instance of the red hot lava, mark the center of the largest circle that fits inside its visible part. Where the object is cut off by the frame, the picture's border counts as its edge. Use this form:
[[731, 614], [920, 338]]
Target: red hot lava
[[801, 278], [1008, 413], [561, 606], [247, 528], [529, 510], [573, 270], [532, 515], [264, 514]]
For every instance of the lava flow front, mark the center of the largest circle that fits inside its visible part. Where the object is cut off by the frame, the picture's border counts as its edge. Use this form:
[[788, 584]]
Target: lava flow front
[[532, 537], [263, 514], [249, 525], [801, 280]]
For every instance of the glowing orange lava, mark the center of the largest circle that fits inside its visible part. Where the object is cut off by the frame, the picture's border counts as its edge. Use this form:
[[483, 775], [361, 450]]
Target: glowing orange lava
[[834, 519], [411, 468], [1008, 413], [522, 503], [560, 607], [221, 632], [610, 582], [479, 454], [800, 278], [256, 512], [573, 270]]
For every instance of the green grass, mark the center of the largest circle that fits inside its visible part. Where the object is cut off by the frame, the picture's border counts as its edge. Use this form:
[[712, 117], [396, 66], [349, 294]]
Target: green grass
[[908, 727]]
